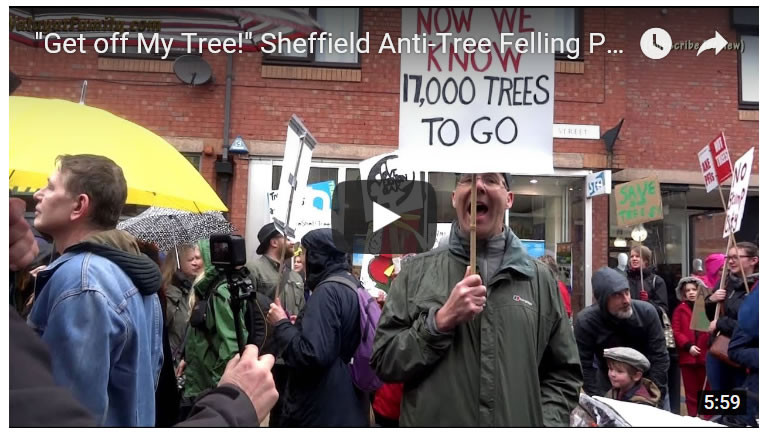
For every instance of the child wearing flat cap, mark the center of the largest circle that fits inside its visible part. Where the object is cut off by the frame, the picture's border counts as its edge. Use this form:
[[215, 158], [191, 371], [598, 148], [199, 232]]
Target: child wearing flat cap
[[625, 369]]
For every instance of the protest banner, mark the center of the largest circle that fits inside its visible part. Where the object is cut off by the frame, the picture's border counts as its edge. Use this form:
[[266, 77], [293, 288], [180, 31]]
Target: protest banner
[[638, 201], [487, 109], [738, 193], [715, 163], [298, 153]]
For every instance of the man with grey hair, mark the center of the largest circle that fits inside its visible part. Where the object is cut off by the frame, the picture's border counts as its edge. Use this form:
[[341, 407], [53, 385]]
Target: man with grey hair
[[615, 320]]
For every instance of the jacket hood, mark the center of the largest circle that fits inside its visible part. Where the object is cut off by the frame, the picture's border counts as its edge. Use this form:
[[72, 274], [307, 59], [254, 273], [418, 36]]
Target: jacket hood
[[702, 288], [323, 257], [515, 255], [121, 248], [605, 282], [714, 264], [210, 275]]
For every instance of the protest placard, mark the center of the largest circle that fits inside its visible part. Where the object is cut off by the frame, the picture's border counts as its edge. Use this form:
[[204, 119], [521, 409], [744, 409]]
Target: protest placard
[[738, 193], [478, 110], [715, 162], [638, 201]]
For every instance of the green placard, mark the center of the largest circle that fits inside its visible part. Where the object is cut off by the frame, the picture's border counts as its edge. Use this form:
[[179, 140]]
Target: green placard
[[638, 201]]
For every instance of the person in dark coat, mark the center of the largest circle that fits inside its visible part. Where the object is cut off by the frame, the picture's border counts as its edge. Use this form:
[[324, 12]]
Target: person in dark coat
[[744, 350], [618, 321], [319, 345], [644, 282], [742, 260]]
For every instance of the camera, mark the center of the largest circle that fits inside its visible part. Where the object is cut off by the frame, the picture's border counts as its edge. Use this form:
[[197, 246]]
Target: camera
[[227, 251]]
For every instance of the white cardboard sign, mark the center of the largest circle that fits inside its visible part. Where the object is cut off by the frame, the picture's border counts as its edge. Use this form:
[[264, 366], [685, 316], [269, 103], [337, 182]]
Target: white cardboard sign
[[477, 111], [740, 177], [297, 156]]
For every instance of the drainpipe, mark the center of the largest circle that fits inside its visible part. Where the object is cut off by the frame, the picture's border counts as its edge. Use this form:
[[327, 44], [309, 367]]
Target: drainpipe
[[224, 167]]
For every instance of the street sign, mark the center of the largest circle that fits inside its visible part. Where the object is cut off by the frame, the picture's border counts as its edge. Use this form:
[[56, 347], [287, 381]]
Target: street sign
[[598, 183], [738, 192], [638, 201]]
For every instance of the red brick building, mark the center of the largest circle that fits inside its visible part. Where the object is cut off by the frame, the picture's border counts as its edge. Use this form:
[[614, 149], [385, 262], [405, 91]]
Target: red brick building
[[671, 108]]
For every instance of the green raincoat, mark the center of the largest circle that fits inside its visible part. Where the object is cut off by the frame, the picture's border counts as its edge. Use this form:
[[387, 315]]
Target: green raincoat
[[208, 350], [515, 364]]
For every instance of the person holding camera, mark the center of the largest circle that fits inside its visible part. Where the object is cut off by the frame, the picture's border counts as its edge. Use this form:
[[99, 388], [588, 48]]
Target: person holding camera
[[211, 341]]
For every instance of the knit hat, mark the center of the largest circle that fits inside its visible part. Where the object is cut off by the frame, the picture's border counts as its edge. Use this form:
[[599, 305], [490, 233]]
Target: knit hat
[[630, 356]]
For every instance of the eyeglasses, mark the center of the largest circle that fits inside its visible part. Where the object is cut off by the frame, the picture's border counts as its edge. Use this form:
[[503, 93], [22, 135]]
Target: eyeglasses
[[734, 258], [491, 181]]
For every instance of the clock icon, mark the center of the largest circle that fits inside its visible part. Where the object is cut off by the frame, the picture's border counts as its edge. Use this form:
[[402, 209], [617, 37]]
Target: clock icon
[[656, 43]]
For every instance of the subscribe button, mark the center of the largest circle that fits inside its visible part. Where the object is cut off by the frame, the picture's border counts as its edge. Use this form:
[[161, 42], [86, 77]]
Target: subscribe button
[[384, 217]]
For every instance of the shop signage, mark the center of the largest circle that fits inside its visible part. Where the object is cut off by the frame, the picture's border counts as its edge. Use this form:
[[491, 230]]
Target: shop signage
[[638, 201], [464, 108], [738, 192], [598, 183]]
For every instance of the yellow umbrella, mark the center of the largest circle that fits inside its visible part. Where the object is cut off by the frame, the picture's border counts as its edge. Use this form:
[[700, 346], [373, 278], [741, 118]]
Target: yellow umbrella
[[156, 173]]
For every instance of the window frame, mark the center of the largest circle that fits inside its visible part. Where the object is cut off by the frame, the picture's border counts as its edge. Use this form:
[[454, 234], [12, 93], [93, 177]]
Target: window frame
[[578, 32], [744, 105], [310, 60]]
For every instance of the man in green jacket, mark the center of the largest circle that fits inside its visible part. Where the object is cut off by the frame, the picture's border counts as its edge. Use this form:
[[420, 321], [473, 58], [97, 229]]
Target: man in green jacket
[[211, 343], [264, 273], [472, 353]]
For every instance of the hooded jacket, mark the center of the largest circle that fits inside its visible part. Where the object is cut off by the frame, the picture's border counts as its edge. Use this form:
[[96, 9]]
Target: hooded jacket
[[96, 308], [514, 364], [680, 322], [319, 346], [657, 293], [596, 329], [210, 346]]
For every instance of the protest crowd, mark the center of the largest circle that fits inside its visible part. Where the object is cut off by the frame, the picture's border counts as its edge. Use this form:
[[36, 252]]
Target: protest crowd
[[164, 318]]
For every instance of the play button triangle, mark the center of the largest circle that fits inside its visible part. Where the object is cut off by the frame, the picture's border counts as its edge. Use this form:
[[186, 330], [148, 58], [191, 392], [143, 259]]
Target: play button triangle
[[382, 217]]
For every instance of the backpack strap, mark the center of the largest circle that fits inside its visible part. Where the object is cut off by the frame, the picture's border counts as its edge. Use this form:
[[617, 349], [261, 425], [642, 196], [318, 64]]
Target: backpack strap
[[341, 280]]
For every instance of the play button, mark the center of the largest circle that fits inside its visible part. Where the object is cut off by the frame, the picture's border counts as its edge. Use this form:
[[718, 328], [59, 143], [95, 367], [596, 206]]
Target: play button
[[382, 217], [363, 213]]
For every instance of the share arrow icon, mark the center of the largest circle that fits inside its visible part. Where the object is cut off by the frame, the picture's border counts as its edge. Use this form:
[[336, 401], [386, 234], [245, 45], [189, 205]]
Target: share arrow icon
[[717, 43]]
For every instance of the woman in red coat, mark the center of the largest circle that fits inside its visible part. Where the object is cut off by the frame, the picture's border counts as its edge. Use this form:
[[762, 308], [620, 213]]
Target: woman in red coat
[[691, 344]]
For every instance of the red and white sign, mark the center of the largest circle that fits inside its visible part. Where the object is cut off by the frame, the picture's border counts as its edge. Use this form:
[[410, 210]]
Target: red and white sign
[[738, 192], [707, 167], [715, 162]]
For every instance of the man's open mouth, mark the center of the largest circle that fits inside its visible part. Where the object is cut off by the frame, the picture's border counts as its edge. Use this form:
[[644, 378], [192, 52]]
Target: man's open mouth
[[481, 208]]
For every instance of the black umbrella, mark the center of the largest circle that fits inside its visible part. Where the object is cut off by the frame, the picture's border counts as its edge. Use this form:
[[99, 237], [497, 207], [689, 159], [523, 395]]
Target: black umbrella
[[169, 228]]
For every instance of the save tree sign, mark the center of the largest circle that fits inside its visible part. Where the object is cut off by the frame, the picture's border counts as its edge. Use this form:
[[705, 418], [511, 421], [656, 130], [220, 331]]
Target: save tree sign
[[477, 94], [738, 191], [638, 201]]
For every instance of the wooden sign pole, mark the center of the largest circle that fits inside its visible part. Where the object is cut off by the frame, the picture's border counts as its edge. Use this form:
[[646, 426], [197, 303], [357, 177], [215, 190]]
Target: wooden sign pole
[[473, 225]]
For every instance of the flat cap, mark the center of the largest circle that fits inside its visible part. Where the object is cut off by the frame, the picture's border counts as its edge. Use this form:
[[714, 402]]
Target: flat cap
[[630, 356]]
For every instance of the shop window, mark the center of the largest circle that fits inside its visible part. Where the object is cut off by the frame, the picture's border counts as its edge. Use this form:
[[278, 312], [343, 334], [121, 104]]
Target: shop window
[[339, 22], [749, 72]]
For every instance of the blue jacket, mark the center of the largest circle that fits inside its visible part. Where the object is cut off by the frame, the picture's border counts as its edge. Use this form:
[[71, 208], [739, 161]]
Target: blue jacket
[[96, 308]]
